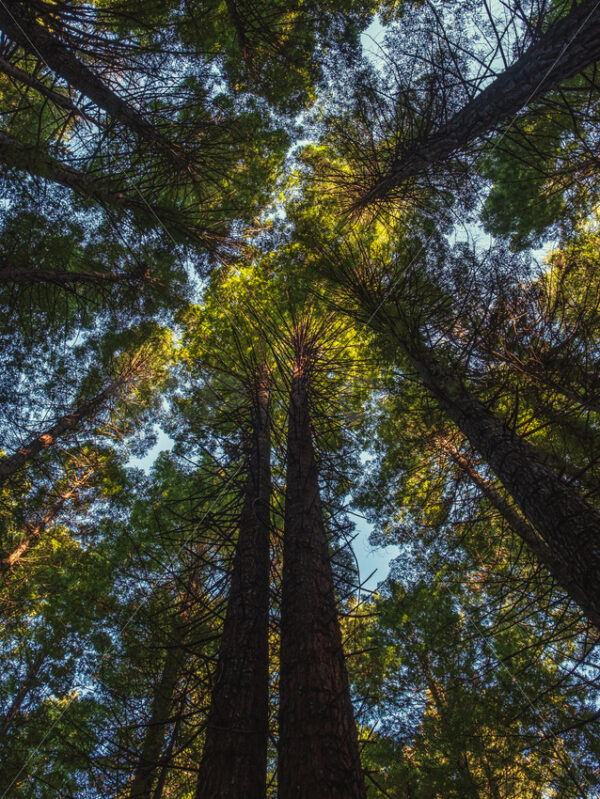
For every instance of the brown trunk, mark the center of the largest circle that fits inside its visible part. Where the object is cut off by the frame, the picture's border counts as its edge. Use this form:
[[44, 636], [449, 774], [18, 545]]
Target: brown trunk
[[65, 425], [520, 526], [568, 46], [29, 158], [17, 155], [234, 760], [26, 687], [36, 529], [318, 744], [569, 526], [24, 29], [162, 705]]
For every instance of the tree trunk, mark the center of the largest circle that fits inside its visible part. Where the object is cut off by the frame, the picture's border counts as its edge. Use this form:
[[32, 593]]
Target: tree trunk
[[526, 532], [29, 158], [36, 529], [318, 745], [26, 78], [24, 29], [66, 279], [568, 525], [65, 425], [162, 705], [28, 684], [234, 760], [568, 46]]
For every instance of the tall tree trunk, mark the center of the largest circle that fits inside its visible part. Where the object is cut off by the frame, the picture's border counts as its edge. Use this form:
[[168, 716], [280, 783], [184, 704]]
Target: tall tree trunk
[[21, 25], [68, 279], [569, 526], [318, 744], [17, 155], [568, 46], [36, 529], [162, 705], [526, 532], [65, 425], [234, 760]]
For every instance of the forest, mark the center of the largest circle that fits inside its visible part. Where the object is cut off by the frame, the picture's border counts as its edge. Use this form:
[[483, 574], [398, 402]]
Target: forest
[[300, 399]]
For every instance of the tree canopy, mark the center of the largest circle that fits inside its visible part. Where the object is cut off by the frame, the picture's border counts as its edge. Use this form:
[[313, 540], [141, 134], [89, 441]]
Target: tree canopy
[[283, 283]]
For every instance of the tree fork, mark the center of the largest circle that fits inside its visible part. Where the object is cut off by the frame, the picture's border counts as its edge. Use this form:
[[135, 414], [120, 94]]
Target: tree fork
[[318, 743], [234, 759]]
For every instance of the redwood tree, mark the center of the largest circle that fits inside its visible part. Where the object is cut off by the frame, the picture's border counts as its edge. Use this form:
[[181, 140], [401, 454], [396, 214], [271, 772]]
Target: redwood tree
[[234, 758], [318, 744]]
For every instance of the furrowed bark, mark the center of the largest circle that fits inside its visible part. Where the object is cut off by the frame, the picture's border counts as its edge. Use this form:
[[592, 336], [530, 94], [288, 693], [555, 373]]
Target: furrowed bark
[[234, 760], [65, 425], [568, 46], [568, 525], [318, 744], [23, 28], [36, 529]]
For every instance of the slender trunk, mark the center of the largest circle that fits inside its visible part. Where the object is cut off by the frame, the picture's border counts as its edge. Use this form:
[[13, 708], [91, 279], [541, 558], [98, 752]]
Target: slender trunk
[[234, 760], [318, 744], [36, 529], [240, 32], [569, 526], [517, 523], [439, 701], [24, 29], [568, 46], [166, 759], [24, 275], [26, 78], [162, 705], [29, 158], [65, 425], [28, 684]]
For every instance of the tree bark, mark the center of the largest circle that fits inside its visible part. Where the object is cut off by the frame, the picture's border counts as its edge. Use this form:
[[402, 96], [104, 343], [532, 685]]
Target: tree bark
[[234, 760], [318, 744], [36, 529], [568, 46], [162, 705], [65, 425], [568, 525], [23, 28]]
